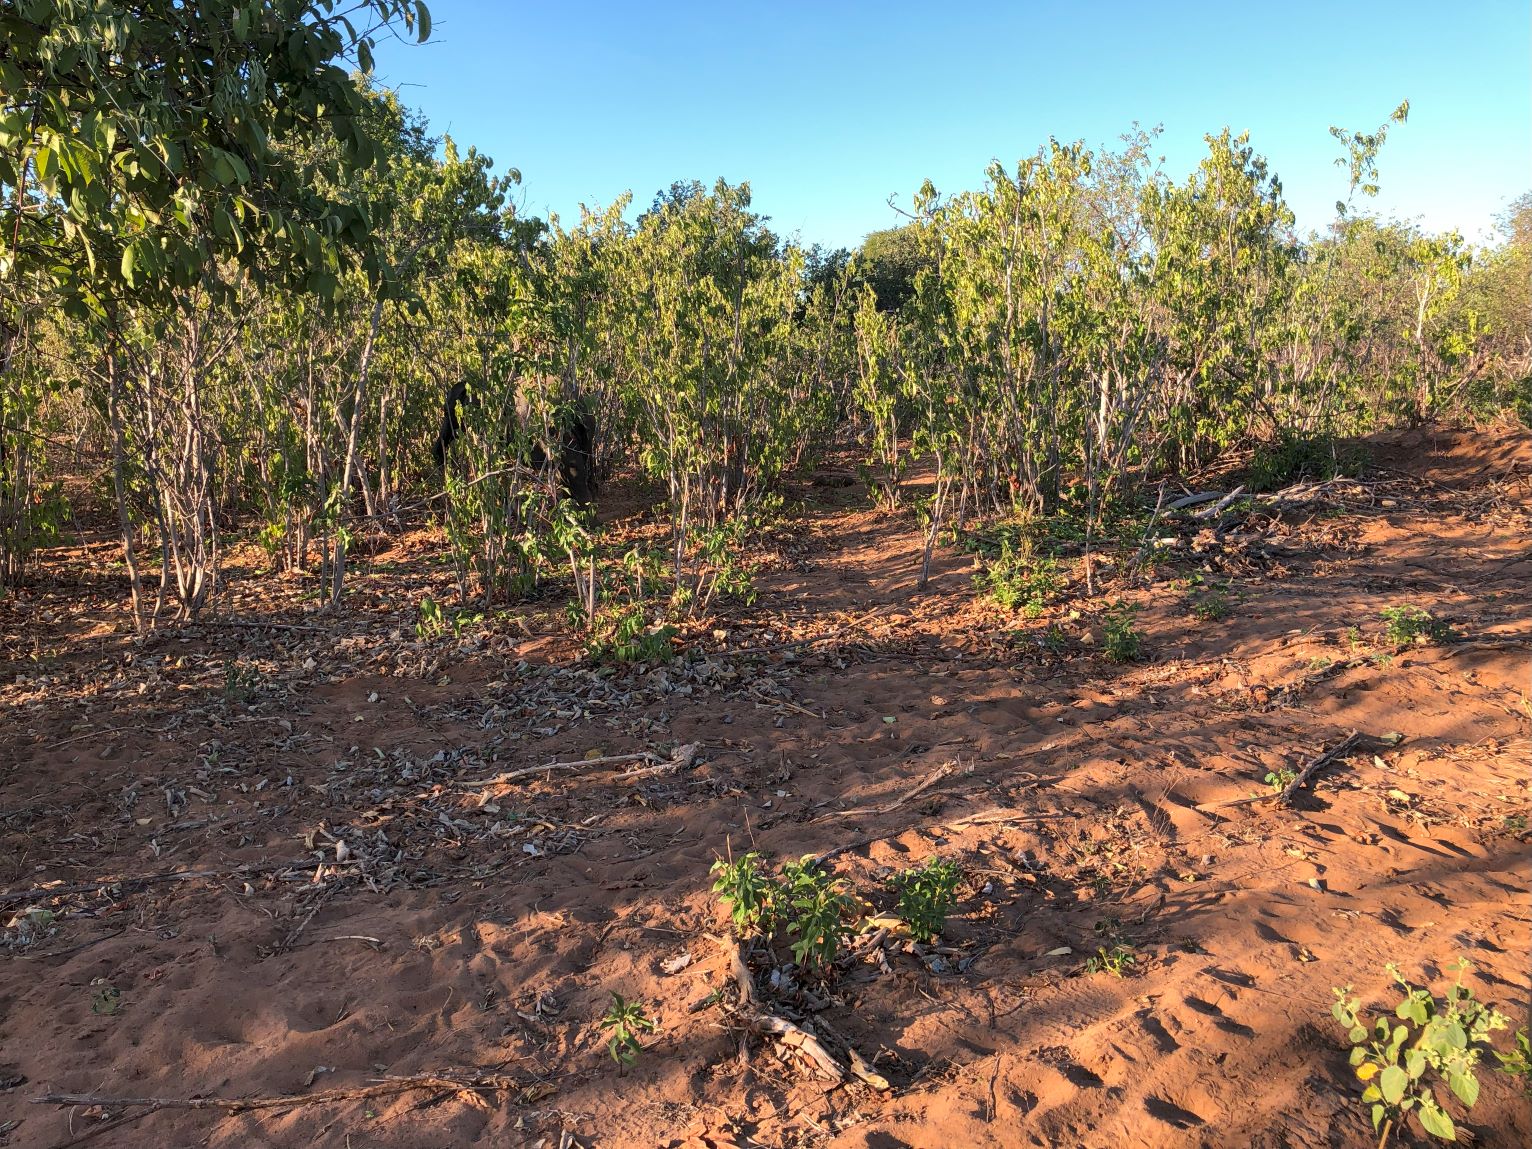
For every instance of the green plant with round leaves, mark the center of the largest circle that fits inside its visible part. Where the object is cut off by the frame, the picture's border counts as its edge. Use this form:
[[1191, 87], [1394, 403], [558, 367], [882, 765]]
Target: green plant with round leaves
[[1428, 1043], [1117, 960], [1280, 779]]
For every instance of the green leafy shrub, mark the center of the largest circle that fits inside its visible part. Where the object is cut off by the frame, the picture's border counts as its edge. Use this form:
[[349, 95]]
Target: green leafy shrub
[[1405, 625], [926, 896], [752, 895], [816, 912], [1121, 640], [724, 572], [1294, 457], [627, 1020], [623, 633], [240, 681], [1434, 1041], [1015, 580]]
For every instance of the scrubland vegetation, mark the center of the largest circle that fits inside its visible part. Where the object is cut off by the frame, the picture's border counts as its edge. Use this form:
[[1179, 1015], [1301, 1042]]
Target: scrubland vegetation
[[1101, 437]]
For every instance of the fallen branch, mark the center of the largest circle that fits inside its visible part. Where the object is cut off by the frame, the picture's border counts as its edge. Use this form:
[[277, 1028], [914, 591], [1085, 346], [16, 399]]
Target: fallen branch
[[768, 700], [149, 880], [683, 757], [1221, 505], [382, 1088], [68, 950], [577, 764], [888, 808], [802, 1041], [989, 817], [1194, 500], [1315, 766], [240, 624], [1488, 642], [769, 1024]]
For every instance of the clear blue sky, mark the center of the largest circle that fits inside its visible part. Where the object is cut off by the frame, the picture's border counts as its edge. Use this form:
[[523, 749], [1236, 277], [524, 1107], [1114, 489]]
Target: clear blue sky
[[829, 108]]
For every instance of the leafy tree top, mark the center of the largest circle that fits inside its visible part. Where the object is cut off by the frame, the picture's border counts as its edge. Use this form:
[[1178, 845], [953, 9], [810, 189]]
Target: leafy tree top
[[143, 146]]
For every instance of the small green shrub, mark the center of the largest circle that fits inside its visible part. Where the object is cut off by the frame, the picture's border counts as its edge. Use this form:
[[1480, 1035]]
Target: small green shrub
[[624, 634], [726, 575], [751, 894], [1015, 580], [926, 896], [1405, 625], [434, 620], [240, 681], [1121, 640], [816, 913], [626, 1019], [1294, 457], [1435, 1042], [1210, 604]]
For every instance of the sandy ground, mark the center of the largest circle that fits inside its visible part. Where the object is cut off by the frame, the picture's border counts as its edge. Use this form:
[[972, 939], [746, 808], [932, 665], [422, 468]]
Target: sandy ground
[[341, 899]]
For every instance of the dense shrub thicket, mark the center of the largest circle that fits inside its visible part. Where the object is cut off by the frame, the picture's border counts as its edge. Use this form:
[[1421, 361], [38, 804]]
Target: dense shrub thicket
[[235, 306]]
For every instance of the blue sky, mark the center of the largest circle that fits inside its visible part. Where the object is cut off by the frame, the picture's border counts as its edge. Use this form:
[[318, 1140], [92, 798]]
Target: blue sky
[[828, 109]]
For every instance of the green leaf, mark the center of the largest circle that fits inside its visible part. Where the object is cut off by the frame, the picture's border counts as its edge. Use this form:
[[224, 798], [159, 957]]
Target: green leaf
[[1392, 1084], [128, 259], [1437, 1123], [1465, 1086], [423, 14], [45, 162]]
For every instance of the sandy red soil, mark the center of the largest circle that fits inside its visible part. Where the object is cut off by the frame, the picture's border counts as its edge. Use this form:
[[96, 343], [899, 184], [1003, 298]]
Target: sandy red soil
[[481, 929]]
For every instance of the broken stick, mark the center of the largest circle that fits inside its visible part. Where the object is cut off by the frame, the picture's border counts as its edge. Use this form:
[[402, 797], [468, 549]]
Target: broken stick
[[382, 1088]]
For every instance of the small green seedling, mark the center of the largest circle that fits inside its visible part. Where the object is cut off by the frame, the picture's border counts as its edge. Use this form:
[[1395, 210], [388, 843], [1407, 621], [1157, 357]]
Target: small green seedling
[[1280, 779], [432, 620], [1121, 641], [752, 896], [926, 896], [1117, 960], [1210, 604], [1518, 1063], [105, 998], [1433, 1042], [627, 1020]]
